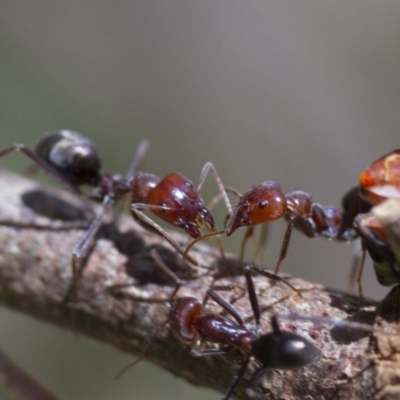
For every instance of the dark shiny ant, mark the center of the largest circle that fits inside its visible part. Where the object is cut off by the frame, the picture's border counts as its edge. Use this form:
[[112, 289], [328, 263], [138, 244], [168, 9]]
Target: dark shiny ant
[[377, 183], [73, 161], [277, 349], [189, 322], [266, 202]]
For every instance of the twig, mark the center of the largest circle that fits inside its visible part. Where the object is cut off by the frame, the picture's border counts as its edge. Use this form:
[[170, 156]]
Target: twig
[[121, 294], [18, 384]]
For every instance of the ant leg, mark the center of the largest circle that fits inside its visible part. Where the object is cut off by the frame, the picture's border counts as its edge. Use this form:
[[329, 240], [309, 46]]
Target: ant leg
[[137, 159], [359, 275], [226, 306], [203, 174], [152, 225], [262, 243], [255, 306], [232, 190], [199, 239], [334, 322], [285, 244], [251, 393], [208, 352], [84, 247], [144, 353], [31, 170], [164, 267], [179, 283], [274, 277], [246, 237], [357, 253], [235, 380], [214, 201], [51, 226], [45, 166], [234, 287]]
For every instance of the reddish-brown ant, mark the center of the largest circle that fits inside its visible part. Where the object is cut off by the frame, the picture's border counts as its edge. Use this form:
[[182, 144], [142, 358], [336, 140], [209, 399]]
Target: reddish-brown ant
[[266, 202], [73, 161], [378, 182]]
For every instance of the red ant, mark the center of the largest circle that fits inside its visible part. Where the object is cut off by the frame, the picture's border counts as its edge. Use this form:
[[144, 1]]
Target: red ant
[[378, 182], [73, 161], [266, 202]]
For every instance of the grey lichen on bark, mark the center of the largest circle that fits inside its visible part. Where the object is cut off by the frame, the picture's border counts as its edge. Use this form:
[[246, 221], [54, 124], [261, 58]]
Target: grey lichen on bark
[[122, 300]]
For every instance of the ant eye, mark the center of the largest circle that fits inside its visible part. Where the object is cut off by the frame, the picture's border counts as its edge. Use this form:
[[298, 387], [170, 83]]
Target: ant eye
[[262, 203], [189, 184]]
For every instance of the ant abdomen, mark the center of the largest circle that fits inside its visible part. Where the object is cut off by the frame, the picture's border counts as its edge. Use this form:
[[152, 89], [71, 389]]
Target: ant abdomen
[[71, 153], [283, 350]]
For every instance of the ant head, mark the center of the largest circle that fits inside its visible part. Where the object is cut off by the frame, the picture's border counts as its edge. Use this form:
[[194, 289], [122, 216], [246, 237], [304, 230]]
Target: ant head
[[183, 205], [381, 179], [73, 154], [262, 203], [283, 350]]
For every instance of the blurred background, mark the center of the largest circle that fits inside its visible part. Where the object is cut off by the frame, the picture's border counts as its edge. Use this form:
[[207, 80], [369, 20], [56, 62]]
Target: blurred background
[[303, 93]]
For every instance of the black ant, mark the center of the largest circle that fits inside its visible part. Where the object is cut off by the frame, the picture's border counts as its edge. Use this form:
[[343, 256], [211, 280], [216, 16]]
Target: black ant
[[266, 202], [277, 349], [378, 182], [189, 322], [73, 160]]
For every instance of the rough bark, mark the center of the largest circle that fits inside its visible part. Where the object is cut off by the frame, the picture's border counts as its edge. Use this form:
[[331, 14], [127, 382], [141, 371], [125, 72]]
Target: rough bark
[[35, 276]]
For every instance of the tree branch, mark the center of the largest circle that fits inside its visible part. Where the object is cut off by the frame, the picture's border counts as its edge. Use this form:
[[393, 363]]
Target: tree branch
[[35, 276]]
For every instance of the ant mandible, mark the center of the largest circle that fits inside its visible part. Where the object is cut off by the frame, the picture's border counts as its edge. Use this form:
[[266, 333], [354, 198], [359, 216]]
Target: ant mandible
[[73, 160], [277, 349], [378, 182], [266, 202]]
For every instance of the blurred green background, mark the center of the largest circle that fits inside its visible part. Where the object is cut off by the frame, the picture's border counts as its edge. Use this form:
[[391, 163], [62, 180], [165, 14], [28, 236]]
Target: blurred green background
[[304, 93]]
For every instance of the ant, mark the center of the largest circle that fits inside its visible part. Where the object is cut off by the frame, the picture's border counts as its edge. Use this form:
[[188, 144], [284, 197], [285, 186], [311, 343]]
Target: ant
[[189, 322], [73, 160], [380, 181], [266, 202], [277, 349]]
